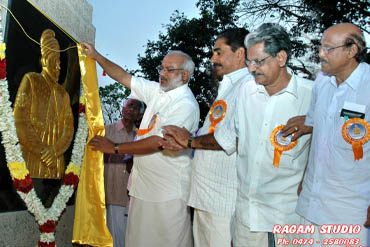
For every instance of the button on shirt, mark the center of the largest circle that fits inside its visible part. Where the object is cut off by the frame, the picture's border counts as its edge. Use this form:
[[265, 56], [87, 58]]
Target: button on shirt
[[336, 189], [213, 181], [267, 195], [165, 175]]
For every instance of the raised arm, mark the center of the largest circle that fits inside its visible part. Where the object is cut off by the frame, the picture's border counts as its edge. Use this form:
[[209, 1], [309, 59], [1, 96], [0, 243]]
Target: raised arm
[[112, 69]]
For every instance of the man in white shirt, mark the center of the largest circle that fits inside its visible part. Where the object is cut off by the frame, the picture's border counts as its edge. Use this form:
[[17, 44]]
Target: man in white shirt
[[158, 215], [214, 182], [336, 187], [268, 178]]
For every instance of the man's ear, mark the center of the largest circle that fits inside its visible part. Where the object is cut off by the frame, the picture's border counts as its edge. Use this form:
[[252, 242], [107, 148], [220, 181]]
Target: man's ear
[[352, 50], [185, 75], [240, 52], [282, 58]]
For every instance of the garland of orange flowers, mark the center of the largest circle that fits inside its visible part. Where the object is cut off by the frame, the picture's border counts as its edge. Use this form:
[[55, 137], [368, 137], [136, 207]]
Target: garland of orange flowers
[[46, 218]]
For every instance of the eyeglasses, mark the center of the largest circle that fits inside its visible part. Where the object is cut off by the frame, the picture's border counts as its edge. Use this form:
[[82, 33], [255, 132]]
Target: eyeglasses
[[256, 62], [326, 49], [166, 70]]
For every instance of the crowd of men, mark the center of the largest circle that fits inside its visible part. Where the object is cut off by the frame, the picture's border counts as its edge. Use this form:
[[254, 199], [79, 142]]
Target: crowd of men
[[275, 149]]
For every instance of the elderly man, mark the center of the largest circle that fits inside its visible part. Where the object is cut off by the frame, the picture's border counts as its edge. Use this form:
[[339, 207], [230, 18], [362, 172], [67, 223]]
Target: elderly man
[[115, 171], [269, 165], [214, 184], [159, 215], [336, 187]]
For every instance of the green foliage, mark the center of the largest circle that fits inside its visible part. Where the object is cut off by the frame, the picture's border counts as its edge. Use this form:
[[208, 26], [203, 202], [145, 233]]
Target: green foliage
[[112, 97], [196, 37], [307, 19]]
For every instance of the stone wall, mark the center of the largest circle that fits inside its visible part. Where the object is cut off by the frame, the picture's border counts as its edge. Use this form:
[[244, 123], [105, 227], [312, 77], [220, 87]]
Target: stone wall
[[74, 16], [19, 229]]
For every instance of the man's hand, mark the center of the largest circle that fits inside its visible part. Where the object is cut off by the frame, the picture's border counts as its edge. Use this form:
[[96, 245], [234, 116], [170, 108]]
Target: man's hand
[[89, 50], [170, 144], [181, 135], [48, 156], [100, 143], [367, 223], [296, 125]]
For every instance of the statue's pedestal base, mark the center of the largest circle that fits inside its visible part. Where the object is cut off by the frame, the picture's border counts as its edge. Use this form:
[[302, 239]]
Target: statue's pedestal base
[[19, 229]]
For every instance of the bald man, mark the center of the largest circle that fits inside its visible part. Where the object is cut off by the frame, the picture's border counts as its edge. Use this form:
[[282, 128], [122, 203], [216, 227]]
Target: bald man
[[336, 186]]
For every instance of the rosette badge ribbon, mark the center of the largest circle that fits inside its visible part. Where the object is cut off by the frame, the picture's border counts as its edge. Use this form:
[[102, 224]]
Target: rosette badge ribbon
[[216, 114], [141, 132], [280, 143], [356, 131]]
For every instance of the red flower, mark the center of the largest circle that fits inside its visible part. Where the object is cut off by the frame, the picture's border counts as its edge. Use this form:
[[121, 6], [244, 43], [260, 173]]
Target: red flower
[[2, 68], [48, 226], [43, 244], [23, 185], [104, 74], [81, 109], [71, 179]]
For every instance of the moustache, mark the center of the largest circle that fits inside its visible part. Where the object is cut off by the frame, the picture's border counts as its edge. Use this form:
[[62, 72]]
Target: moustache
[[323, 60], [254, 73], [217, 64], [162, 79]]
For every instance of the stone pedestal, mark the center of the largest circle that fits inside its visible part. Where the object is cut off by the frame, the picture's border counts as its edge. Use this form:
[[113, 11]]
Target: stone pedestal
[[19, 229]]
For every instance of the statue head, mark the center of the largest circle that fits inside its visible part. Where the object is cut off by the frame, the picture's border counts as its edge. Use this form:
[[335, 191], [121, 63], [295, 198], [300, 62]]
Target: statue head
[[50, 57]]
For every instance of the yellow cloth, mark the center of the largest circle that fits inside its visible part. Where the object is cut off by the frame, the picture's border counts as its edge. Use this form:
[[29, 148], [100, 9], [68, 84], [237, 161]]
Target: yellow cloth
[[90, 218]]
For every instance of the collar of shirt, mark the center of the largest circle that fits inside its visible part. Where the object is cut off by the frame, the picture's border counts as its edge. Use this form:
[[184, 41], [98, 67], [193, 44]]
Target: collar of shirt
[[174, 93], [120, 126], [234, 76], [291, 88], [353, 80], [231, 78]]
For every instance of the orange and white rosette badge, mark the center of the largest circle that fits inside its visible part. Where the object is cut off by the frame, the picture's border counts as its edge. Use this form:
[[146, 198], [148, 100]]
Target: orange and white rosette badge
[[356, 132], [280, 143], [141, 132], [217, 113]]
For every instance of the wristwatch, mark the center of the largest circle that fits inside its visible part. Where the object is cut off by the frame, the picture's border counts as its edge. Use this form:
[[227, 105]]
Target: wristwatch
[[190, 141], [116, 148]]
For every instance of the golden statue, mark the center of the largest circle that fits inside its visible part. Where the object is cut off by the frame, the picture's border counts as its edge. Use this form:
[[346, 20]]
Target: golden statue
[[43, 115]]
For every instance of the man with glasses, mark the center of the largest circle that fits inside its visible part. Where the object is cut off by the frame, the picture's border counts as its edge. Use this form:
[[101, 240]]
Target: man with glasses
[[158, 215], [269, 166], [213, 182], [336, 187]]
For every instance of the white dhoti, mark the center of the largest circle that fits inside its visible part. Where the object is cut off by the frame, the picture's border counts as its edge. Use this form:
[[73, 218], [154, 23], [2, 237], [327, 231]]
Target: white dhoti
[[159, 224]]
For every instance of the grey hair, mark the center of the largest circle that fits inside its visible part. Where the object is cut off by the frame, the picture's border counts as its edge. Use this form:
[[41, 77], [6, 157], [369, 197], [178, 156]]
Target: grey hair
[[359, 41], [274, 37], [188, 64]]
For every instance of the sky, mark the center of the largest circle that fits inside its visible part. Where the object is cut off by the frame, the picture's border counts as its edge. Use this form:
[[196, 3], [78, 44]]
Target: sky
[[123, 27]]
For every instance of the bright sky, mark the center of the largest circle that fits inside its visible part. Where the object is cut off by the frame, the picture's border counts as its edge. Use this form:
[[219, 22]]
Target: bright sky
[[123, 27]]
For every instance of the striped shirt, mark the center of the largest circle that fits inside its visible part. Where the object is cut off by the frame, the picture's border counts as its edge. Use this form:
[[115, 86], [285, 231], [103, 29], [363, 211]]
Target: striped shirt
[[213, 181]]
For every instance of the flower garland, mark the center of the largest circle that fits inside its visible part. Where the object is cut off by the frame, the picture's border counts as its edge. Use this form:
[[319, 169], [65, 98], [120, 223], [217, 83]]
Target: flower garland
[[46, 218]]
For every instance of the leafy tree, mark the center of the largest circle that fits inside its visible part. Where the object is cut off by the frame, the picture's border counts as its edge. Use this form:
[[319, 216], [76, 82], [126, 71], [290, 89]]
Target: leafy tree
[[306, 20], [196, 37], [112, 97]]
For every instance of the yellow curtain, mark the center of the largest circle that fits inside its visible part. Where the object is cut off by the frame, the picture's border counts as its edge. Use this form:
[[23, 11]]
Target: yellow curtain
[[90, 219]]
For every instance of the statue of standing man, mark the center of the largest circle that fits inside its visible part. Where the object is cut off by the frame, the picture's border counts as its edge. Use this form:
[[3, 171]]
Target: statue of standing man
[[43, 115]]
